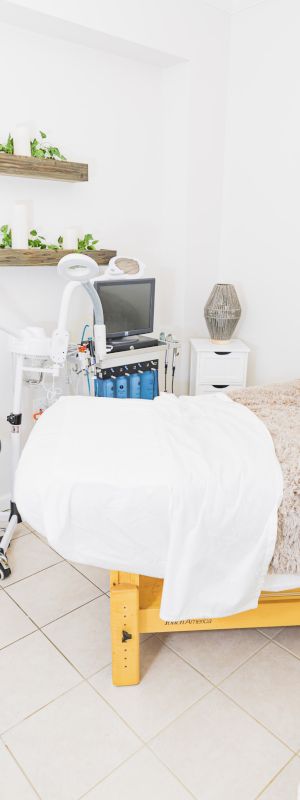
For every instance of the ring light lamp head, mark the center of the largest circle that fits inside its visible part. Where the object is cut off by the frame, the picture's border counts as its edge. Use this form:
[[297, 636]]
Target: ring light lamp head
[[120, 267], [77, 267]]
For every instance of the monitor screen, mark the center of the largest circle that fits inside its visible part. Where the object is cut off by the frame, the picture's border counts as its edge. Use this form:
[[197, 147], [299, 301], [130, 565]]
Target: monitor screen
[[128, 305]]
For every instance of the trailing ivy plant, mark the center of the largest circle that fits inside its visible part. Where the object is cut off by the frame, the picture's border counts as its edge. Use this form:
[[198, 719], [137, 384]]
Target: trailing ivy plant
[[5, 230], [87, 242], [36, 240], [8, 147], [40, 149]]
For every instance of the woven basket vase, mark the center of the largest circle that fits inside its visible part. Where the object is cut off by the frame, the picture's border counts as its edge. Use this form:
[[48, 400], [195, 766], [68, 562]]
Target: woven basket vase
[[222, 312]]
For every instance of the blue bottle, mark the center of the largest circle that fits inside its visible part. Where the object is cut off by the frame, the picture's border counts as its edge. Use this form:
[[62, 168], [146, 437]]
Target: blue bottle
[[108, 388], [135, 386], [121, 387], [99, 387], [147, 385], [155, 389]]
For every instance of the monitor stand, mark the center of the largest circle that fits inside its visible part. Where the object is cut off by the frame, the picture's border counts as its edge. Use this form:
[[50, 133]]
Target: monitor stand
[[131, 343]]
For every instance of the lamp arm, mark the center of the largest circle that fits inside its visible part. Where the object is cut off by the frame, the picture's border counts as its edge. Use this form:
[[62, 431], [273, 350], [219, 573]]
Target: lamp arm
[[94, 297], [60, 338]]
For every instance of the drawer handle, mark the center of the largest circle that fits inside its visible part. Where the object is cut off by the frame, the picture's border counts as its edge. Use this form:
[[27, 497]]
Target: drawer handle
[[222, 352], [220, 385]]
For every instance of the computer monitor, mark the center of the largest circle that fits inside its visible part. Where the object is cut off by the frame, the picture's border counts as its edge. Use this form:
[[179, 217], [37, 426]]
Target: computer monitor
[[128, 306]]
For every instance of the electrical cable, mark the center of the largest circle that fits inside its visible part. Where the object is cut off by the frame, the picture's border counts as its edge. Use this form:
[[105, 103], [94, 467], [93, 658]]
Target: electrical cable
[[86, 326], [166, 368]]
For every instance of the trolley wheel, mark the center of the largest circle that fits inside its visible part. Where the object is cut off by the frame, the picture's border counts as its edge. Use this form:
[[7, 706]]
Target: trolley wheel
[[5, 570]]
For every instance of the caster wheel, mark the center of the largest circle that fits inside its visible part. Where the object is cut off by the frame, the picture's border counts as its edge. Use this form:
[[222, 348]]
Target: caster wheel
[[5, 570]]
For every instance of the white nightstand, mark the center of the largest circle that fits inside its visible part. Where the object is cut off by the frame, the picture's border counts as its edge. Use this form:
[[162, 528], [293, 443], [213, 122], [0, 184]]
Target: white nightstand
[[217, 367]]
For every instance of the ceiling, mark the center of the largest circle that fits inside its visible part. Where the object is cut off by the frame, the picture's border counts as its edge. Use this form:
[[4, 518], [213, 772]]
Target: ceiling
[[233, 6]]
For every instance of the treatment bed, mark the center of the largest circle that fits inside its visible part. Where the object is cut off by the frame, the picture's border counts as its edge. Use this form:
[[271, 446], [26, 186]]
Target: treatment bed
[[136, 598]]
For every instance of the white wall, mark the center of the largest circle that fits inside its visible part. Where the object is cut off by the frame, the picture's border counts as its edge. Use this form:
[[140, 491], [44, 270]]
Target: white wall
[[98, 108], [261, 208], [151, 127]]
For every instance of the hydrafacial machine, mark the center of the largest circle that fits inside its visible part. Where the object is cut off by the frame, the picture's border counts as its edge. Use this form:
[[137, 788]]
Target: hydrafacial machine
[[34, 352]]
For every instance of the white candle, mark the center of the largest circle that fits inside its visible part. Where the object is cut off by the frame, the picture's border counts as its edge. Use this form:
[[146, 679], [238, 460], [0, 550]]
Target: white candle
[[21, 137], [70, 236], [19, 228]]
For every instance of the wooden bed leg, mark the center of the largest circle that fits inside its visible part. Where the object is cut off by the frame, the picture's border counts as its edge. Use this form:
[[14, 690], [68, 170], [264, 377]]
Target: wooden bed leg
[[125, 637]]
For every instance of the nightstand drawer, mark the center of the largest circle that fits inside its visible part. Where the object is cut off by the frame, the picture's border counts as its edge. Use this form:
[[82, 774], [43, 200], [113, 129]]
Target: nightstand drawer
[[209, 388], [221, 368]]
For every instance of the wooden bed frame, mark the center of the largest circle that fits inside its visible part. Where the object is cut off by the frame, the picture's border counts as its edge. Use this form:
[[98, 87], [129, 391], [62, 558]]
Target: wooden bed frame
[[135, 604]]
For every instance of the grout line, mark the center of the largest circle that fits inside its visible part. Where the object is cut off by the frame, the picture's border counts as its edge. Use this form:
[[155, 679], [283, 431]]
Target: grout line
[[19, 639], [37, 710], [71, 564], [262, 633], [115, 769], [39, 627], [62, 654], [171, 772], [38, 572], [263, 647], [287, 650], [85, 576], [216, 685], [66, 614], [141, 740], [189, 664], [165, 728], [145, 747], [20, 609], [259, 722], [146, 741], [274, 778], [21, 769]]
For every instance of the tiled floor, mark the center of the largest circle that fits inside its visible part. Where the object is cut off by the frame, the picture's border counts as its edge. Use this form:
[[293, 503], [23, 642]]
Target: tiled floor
[[215, 717]]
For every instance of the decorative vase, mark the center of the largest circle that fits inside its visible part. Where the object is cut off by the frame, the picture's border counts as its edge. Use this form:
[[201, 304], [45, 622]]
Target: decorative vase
[[222, 312]]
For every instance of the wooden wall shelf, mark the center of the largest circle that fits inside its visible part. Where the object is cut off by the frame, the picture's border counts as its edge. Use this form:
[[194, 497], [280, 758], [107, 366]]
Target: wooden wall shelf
[[48, 168], [47, 258]]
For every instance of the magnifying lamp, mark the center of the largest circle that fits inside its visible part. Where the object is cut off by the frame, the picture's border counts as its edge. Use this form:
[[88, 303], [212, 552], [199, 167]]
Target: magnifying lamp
[[120, 267], [77, 267]]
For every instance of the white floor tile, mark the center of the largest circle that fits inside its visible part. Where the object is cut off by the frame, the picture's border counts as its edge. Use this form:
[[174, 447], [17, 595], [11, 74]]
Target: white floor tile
[[32, 673], [285, 786], [73, 743], [28, 555], [268, 687], [53, 593], [219, 752], [84, 636], [98, 576], [143, 776], [13, 784], [290, 638], [13, 623], [168, 686], [215, 653]]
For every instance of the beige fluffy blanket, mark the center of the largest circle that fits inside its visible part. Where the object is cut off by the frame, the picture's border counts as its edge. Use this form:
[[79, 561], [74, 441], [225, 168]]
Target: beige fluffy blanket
[[278, 406]]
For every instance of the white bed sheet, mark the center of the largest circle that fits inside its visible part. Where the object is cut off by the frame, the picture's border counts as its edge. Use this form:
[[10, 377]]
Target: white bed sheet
[[186, 489], [280, 582]]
